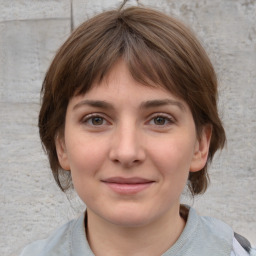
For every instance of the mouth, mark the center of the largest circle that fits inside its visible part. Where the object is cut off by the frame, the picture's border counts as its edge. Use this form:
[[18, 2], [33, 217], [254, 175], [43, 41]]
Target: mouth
[[127, 186]]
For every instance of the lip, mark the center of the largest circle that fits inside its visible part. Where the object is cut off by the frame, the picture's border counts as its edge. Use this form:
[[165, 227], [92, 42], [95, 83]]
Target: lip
[[127, 186]]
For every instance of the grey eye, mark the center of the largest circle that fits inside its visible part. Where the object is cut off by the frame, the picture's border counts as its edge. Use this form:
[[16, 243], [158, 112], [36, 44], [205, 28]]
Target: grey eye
[[159, 120], [97, 120]]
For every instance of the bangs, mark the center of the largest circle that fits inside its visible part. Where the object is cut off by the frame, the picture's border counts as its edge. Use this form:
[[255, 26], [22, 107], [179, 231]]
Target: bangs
[[145, 61]]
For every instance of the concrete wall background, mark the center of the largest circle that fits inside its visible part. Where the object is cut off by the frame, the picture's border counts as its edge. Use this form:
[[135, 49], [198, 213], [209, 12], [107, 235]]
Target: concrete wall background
[[31, 205]]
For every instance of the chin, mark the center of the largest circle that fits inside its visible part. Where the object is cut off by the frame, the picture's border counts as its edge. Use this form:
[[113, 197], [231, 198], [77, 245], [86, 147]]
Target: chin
[[130, 218]]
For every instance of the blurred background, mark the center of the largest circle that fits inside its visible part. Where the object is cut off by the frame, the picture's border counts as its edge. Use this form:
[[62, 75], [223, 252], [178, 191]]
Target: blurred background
[[31, 31]]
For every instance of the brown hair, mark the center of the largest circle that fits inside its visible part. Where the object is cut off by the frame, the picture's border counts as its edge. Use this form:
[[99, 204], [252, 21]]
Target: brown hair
[[158, 50]]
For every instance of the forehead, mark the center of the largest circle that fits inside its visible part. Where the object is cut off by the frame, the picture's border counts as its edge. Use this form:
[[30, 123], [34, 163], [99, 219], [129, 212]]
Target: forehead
[[118, 87]]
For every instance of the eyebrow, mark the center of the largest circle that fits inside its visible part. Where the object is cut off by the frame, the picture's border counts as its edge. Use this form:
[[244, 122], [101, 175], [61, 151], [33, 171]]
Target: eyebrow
[[162, 102], [144, 105], [94, 103]]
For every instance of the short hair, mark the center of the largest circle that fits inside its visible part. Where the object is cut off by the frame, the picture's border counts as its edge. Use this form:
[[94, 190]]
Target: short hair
[[158, 50]]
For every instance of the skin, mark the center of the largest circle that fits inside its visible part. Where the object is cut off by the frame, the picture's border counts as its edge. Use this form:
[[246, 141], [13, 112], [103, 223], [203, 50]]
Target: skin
[[121, 129]]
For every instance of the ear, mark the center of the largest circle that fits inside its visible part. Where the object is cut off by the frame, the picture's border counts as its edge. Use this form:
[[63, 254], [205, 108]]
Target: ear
[[201, 149], [62, 152]]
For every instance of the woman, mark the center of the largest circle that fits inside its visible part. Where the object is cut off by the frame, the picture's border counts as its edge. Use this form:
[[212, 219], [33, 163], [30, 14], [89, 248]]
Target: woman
[[129, 118]]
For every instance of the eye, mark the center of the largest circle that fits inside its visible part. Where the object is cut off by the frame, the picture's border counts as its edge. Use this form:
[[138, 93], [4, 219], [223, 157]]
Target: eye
[[161, 120], [94, 120]]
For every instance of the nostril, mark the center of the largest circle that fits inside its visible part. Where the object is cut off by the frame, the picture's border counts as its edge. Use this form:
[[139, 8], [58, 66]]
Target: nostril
[[126, 163]]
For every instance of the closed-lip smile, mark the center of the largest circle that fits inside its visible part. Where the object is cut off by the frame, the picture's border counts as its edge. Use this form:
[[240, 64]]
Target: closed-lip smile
[[127, 186]]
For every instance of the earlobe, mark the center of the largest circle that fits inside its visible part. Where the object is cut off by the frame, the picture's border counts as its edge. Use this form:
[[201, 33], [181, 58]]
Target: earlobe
[[62, 153], [201, 149]]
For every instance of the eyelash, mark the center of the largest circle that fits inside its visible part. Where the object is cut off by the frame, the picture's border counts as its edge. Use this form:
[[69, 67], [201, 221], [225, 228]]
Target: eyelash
[[89, 118]]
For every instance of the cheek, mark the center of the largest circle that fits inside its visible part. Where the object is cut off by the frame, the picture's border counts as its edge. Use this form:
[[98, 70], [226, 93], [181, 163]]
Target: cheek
[[86, 157], [86, 161], [173, 157], [173, 165]]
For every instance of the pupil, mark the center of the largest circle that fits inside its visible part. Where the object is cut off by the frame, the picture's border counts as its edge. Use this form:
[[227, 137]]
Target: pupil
[[97, 120], [159, 120]]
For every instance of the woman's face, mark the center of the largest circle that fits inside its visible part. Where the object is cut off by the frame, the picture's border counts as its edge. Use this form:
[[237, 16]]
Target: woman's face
[[130, 149]]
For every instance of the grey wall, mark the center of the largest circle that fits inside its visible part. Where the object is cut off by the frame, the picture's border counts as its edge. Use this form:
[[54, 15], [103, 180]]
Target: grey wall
[[31, 205]]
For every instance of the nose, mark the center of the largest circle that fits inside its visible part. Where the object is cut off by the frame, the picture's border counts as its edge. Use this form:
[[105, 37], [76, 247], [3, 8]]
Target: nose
[[127, 147]]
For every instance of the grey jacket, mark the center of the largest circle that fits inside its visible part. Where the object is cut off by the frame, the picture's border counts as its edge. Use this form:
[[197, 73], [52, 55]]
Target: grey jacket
[[201, 236]]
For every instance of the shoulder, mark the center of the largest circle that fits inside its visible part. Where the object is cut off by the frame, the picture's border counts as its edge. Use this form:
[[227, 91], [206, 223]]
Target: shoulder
[[219, 231], [219, 236], [242, 247], [56, 244]]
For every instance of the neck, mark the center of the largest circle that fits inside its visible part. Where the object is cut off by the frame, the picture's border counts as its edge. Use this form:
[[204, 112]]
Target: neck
[[152, 239]]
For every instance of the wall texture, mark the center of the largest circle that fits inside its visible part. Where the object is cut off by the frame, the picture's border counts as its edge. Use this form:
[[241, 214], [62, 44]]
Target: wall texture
[[30, 33]]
